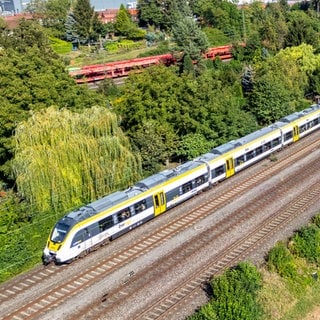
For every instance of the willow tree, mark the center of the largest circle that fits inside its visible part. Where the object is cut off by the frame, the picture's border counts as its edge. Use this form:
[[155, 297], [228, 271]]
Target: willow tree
[[64, 159]]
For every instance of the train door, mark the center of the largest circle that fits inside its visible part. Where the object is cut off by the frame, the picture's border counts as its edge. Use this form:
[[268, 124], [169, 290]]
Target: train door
[[159, 202], [295, 133], [229, 167]]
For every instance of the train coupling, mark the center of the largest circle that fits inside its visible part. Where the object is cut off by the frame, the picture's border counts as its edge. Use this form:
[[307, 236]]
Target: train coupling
[[48, 258]]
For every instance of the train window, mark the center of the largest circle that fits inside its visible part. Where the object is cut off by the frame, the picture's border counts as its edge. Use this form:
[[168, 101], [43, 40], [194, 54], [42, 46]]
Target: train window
[[105, 223], [275, 142], [259, 150], [238, 161], [288, 135], [140, 206], [303, 128], [267, 146], [123, 214], [59, 232], [201, 180], [250, 155], [78, 238], [218, 171], [186, 187]]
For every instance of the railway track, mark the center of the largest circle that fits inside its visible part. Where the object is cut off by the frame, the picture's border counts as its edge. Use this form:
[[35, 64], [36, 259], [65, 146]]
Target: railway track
[[63, 291], [228, 257]]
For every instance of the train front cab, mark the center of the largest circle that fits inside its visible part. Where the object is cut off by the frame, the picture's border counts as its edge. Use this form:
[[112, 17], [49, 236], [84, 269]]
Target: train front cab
[[159, 202]]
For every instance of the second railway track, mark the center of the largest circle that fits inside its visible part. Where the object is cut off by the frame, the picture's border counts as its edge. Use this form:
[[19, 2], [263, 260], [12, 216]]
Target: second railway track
[[50, 300]]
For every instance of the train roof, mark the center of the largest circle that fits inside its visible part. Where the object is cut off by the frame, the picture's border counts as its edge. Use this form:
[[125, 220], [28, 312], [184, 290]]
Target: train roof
[[165, 175], [256, 134], [103, 204], [225, 147], [244, 140], [299, 114], [206, 157]]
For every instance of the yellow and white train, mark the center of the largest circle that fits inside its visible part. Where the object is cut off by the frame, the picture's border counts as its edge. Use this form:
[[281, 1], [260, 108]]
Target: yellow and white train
[[84, 229]]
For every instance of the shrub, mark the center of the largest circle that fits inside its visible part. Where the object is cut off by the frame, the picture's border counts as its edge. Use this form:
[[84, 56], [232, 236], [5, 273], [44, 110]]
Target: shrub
[[60, 46], [281, 260], [306, 243], [235, 293]]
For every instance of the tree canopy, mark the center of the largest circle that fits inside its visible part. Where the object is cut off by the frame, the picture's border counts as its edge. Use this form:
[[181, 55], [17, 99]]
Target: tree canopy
[[64, 159], [32, 77]]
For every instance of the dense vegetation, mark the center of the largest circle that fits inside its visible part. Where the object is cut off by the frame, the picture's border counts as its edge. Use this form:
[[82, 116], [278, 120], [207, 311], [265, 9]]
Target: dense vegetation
[[62, 145], [282, 288]]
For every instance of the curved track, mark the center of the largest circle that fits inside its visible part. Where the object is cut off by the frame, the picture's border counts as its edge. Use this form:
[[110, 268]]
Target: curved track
[[52, 298]]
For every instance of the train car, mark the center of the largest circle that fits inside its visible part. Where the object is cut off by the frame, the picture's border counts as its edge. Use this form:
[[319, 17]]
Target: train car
[[97, 223]]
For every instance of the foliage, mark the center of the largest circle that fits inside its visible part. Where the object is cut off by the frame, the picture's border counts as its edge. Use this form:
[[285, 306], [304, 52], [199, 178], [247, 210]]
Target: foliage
[[125, 27], [302, 28], [280, 82], [65, 159], [159, 146], [189, 38], [306, 243], [193, 145], [16, 250], [206, 312], [60, 46], [32, 77], [274, 30], [222, 15], [280, 259], [316, 220], [162, 14], [215, 37], [150, 13], [87, 22], [123, 21], [161, 48], [208, 105], [51, 14], [123, 45], [235, 295]]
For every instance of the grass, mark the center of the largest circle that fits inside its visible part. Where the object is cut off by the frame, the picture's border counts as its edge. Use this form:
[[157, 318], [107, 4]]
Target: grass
[[84, 56], [283, 299]]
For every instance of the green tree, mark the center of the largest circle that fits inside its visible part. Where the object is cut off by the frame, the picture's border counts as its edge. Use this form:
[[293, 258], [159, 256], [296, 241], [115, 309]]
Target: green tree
[[88, 24], [209, 105], [281, 82], [160, 146], [32, 77], [222, 15], [150, 13], [274, 30], [64, 159], [193, 145], [123, 21], [126, 27], [189, 38], [302, 28], [51, 13]]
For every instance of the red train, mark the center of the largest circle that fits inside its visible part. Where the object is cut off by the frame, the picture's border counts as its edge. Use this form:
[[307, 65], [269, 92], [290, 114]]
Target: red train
[[98, 72]]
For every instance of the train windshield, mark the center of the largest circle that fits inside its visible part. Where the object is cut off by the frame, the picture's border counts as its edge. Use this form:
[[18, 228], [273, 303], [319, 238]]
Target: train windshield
[[59, 232]]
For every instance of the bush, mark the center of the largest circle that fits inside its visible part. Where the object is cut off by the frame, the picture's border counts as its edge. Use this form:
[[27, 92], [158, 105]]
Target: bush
[[306, 243], [60, 46], [280, 260], [123, 46], [235, 296]]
